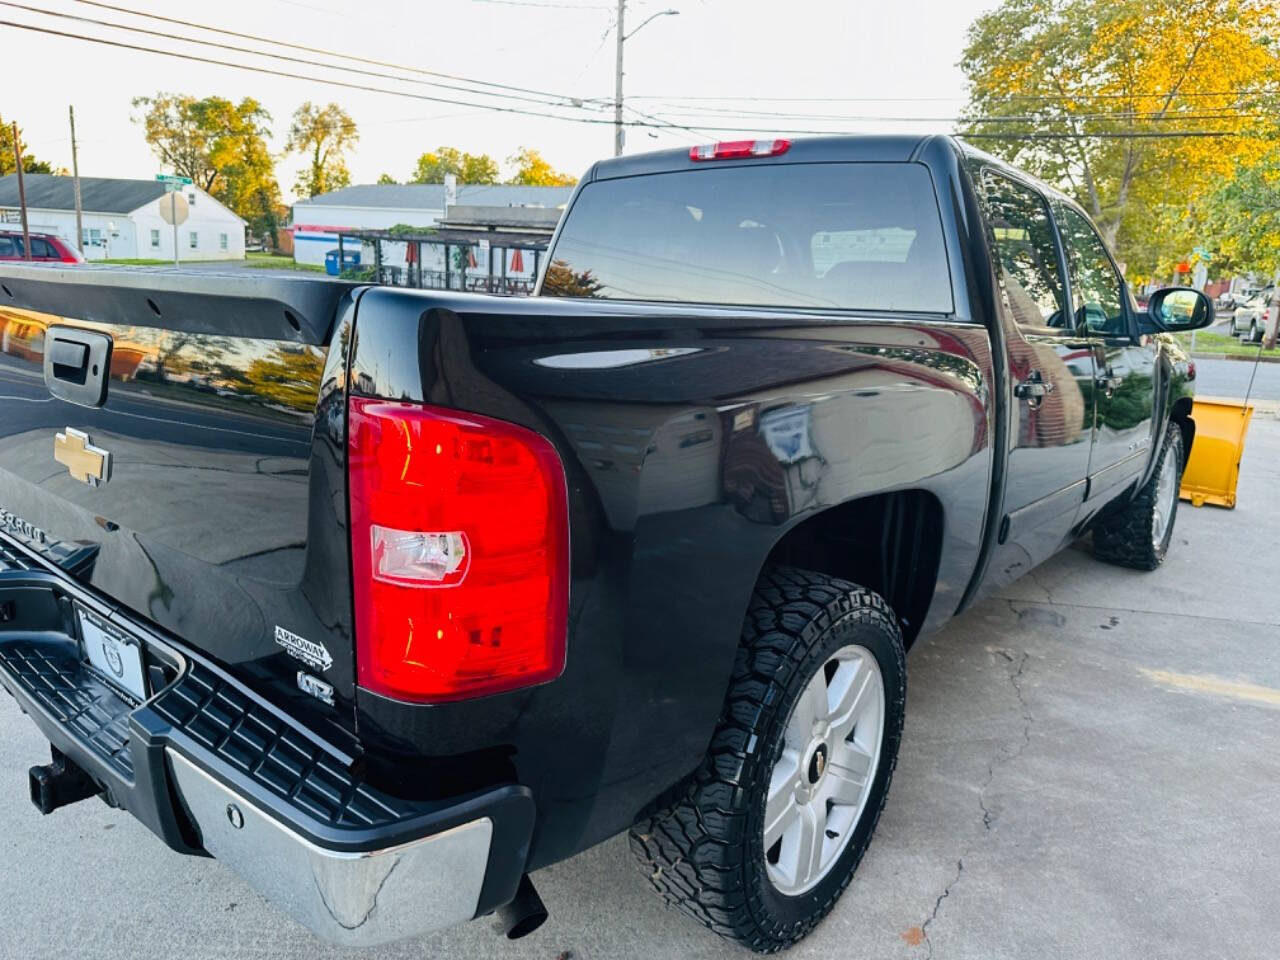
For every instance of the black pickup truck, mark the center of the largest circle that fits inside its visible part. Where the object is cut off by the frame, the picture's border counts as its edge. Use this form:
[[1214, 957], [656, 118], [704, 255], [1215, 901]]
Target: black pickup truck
[[389, 598]]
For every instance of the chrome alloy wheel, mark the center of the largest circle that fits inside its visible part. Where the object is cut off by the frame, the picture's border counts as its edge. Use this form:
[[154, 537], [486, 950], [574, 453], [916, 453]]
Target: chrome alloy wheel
[[820, 783], [1166, 498]]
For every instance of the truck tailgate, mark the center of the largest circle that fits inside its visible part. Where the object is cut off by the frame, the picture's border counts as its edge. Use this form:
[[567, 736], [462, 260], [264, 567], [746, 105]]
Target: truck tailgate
[[206, 492]]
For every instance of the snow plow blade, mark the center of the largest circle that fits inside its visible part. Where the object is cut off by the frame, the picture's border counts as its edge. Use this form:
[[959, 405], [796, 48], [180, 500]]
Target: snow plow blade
[[1213, 469]]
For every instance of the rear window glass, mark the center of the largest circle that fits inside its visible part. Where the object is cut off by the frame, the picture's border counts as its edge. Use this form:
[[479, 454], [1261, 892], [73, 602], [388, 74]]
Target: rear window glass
[[857, 236]]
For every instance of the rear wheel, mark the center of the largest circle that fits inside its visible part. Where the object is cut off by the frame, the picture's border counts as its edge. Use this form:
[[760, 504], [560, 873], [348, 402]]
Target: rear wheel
[[766, 836], [1137, 534]]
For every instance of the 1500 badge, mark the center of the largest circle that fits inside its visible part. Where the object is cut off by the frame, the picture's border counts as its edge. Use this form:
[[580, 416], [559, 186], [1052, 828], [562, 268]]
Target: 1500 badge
[[313, 654]]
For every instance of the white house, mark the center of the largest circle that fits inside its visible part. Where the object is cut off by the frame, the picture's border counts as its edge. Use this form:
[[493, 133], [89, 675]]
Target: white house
[[122, 218], [378, 206]]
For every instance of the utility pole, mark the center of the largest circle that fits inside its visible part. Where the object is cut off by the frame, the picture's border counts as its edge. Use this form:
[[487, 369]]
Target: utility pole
[[22, 194], [623, 37], [618, 133], [75, 180]]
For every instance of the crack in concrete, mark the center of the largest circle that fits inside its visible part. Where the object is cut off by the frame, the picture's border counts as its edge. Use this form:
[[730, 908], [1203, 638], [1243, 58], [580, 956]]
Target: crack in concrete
[[1106, 608], [1015, 679], [937, 905], [1017, 666], [1034, 576], [1007, 756]]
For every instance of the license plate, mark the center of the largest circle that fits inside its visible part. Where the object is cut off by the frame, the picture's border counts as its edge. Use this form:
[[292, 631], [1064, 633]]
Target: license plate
[[116, 656]]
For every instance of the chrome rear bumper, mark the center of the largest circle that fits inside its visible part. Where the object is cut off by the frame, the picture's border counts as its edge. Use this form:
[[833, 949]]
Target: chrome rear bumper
[[208, 765], [354, 899]]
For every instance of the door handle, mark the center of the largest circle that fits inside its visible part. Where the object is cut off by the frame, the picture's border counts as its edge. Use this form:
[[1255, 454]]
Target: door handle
[[1108, 382], [1033, 389]]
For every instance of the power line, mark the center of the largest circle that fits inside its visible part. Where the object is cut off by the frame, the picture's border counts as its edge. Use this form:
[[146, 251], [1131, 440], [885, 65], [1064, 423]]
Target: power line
[[574, 103], [1118, 118], [701, 134], [1123, 135], [1144, 116], [1013, 96], [274, 56], [196, 58], [656, 123], [328, 53]]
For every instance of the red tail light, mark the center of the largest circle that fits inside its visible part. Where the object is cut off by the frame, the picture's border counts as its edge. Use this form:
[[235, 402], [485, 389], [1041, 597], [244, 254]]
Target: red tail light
[[460, 552], [735, 149]]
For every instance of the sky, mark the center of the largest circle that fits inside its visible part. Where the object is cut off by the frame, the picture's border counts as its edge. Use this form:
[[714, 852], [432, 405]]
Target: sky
[[716, 64]]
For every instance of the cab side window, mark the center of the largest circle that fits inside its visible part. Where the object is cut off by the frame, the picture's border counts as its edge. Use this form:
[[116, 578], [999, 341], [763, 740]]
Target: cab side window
[[1096, 288], [1027, 255]]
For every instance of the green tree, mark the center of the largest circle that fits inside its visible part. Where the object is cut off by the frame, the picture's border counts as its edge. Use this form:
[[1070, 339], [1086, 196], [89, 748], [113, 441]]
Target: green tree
[[533, 171], [29, 163], [1109, 98], [323, 135], [467, 167], [386, 178], [221, 146], [1243, 217]]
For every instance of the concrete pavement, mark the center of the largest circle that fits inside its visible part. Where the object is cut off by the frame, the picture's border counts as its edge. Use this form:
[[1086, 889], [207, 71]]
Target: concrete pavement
[[1230, 378], [1090, 768]]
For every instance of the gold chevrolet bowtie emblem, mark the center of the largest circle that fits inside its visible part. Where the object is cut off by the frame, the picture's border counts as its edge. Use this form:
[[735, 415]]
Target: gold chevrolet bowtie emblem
[[84, 461]]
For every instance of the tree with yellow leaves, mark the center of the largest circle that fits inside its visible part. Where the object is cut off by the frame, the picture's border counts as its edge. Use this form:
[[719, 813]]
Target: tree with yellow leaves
[[1138, 108], [533, 171]]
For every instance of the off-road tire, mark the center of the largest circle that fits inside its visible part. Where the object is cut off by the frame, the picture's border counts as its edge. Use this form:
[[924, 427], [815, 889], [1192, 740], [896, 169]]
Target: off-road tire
[[1123, 535], [704, 853]]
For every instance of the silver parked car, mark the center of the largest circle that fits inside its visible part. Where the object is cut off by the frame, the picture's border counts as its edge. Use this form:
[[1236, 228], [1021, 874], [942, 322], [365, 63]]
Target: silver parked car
[[1250, 316]]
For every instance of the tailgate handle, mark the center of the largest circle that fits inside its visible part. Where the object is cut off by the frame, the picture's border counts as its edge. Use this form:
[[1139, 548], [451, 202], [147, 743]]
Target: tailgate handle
[[71, 357], [77, 364]]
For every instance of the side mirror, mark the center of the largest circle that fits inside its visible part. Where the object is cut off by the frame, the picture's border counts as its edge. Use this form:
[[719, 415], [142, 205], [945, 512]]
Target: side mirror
[[1177, 310]]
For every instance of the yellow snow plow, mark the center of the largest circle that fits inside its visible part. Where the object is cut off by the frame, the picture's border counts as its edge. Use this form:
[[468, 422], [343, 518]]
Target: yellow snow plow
[[1213, 468]]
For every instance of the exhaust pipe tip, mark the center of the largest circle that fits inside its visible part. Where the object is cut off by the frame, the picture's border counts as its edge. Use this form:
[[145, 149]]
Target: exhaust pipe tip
[[59, 783], [524, 914]]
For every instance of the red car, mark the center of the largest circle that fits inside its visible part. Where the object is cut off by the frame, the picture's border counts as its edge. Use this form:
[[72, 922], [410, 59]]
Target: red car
[[45, 248]]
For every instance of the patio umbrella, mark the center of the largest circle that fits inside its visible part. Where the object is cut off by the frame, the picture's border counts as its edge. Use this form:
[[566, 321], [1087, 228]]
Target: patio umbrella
[[517, 261], [471, 258]]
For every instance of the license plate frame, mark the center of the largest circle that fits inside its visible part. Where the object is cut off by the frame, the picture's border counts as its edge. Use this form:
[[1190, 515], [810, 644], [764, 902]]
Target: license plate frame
[[113, 654]]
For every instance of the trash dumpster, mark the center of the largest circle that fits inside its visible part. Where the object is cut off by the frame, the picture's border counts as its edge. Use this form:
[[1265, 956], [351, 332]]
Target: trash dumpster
[[350, 259]]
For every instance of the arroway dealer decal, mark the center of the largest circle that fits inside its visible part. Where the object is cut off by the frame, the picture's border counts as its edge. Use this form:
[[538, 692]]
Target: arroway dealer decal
[[312, 654]]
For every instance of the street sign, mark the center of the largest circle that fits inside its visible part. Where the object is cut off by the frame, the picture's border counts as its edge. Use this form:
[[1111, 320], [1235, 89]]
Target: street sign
[[171, 211], [174, 209], [172, 182]]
